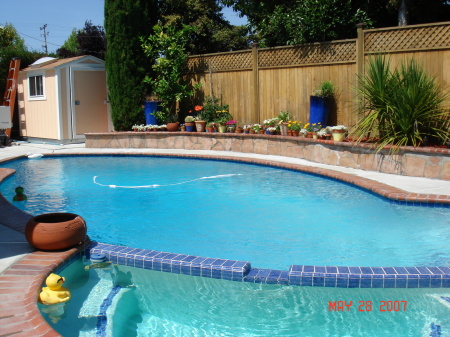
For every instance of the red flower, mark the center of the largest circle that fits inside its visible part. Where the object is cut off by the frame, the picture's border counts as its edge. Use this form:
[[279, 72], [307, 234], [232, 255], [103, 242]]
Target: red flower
[[198, 108]]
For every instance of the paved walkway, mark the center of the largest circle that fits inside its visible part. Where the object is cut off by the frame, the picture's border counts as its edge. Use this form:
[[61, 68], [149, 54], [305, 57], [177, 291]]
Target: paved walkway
[[23, 270]]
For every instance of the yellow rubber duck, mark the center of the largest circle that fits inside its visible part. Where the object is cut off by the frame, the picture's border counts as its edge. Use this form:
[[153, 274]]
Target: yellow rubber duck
[[54, 292]]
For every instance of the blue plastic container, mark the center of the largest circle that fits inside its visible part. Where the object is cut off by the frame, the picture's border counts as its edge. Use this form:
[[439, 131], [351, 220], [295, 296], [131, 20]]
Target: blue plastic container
[[319, 109], [149, 109]]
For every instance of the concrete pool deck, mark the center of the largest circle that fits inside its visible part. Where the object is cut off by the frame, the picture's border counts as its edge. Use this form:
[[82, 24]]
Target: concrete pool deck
[[19, 315]]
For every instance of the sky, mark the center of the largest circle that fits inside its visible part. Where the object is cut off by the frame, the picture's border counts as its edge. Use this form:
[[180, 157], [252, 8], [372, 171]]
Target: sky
[[60, 16]]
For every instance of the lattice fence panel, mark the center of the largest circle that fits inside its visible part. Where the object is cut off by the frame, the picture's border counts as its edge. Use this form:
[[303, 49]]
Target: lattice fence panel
[[308, 54], [413, 38], [220, 62]]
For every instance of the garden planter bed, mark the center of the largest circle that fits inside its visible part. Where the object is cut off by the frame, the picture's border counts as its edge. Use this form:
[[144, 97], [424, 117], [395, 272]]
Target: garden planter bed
[[426, 162]]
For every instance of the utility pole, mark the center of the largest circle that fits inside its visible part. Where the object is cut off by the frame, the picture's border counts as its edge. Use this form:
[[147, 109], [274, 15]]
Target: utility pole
[[45, 38]]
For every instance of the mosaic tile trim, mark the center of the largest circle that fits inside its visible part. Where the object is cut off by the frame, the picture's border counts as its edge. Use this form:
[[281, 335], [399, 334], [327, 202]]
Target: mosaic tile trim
[[102, 319], [298, 275], [173, 263], [370, 277], [435, 330]]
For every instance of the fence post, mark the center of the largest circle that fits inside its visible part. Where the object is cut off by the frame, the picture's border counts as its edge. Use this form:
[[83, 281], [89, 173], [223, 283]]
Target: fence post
[[256, 112]]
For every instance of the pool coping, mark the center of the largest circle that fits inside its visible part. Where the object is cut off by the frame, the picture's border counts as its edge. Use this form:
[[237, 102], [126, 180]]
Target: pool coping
[[20, 315]]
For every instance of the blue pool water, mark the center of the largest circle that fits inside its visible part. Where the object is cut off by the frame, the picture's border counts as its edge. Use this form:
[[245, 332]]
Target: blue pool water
[[271, 217], [126, 301]]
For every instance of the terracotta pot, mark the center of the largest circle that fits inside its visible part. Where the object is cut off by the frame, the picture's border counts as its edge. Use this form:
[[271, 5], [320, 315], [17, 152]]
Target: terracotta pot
[[55, 231], [200, 126], [262, 131], [252, 131], [172, 127], [209, 129]]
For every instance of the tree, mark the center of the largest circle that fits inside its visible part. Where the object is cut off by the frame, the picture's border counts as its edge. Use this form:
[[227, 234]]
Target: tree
[[10, 38], [12, 45], [295, 21], [91, 40], [168, 47], [70, 47], [212, 32], [126, 64]]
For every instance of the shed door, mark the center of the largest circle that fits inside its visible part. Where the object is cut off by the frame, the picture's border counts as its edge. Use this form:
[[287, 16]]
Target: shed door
[[89, 94]]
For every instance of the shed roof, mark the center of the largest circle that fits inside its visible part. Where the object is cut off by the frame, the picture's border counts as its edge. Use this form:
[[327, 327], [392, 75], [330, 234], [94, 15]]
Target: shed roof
[[57, 63]]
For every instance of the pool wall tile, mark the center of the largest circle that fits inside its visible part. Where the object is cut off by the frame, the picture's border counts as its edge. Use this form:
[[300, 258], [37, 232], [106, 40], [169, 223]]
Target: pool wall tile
[[298, 275]]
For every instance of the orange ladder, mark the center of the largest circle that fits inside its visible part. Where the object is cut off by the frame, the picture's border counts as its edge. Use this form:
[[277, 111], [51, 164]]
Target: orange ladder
[[9, 98]]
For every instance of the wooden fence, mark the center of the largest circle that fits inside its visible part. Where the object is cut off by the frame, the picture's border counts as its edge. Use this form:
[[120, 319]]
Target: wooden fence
[[259, 82]]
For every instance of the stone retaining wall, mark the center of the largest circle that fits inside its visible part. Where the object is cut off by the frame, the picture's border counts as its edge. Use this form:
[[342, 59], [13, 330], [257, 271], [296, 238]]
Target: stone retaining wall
[[416, 162]]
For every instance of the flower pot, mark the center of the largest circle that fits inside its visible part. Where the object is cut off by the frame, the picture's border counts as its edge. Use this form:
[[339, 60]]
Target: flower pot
[[338, 136], [55, 231], [239, 130], [284, 129], [251, 131], [200, 126], [315, 136], [209, 129], [309, 134], [261, 132], [190, 127], [150, 107], [222, 128], [231, 129], [295, 133], [319, 108], [172, 127]]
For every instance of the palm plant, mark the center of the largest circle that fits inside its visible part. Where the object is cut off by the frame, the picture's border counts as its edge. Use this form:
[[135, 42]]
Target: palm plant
[[402, 106]]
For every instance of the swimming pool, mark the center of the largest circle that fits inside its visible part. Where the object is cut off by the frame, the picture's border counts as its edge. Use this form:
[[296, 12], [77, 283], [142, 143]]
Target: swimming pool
[[126, 301], [271, 217]]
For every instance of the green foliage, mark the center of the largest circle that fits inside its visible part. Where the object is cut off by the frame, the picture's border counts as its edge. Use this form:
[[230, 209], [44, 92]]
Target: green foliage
[[10, 38], [212, 32], [11, 46], [213, 111], [402, 106], [284, 116], [71, 43], [326, 89], [126, 63], [296, 21], [167, 46]]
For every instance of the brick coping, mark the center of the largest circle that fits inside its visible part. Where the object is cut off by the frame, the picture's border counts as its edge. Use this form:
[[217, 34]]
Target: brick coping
[[19, 313]]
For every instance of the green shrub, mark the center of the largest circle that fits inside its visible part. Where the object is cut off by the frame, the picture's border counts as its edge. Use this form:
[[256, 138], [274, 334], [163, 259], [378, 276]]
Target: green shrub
[[401, 106]]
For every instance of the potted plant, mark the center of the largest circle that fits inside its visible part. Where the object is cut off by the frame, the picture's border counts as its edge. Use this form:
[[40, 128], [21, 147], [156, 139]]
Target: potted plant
[[210, 127], [338, 132], [172, 122], [200, 123], [271, 130], [189, 123], [312, 129], [231, 125], [283, 118], [320, 103], [182, 127], [239, 128], [295, 128]]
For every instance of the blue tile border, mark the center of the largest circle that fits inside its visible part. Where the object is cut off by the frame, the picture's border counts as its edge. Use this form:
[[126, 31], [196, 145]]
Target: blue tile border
[[297, 275]]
